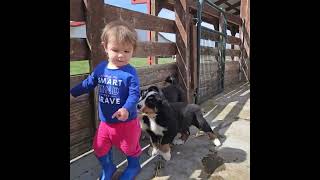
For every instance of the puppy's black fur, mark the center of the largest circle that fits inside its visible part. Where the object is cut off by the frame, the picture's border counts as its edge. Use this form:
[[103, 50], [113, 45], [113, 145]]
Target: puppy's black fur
[[164, 120], [172, 92]]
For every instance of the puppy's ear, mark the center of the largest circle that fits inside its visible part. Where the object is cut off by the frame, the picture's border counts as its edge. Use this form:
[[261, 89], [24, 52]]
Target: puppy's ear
[[143, 92], [153, 88]]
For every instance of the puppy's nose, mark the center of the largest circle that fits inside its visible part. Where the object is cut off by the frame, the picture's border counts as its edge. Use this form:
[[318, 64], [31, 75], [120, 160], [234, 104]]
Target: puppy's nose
[[139, 106]]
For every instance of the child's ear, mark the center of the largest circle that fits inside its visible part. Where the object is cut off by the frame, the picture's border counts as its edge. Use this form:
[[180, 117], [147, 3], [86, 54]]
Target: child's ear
[[103, 45]]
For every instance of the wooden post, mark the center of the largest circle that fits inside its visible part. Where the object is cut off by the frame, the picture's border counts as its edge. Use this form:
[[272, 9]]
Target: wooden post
[[183, 25], [222, 64], [154, 35], [245, 34], [94, 27]]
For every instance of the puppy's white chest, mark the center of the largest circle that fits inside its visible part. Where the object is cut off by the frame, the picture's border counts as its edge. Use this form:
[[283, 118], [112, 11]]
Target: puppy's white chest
[[154, 127]]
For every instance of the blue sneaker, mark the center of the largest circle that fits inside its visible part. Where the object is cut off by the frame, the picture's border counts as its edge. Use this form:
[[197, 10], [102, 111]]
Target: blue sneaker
[[108, 168], [132, 169]]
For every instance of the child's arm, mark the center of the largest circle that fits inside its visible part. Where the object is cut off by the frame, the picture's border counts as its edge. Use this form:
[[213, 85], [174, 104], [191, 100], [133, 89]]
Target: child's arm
[[134, 93], [85, 86]]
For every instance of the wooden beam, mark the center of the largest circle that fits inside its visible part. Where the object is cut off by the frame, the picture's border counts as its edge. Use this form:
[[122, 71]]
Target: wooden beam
[[145, 49], [166, 4], [206, 34], [79, 49], [237, 12], [215, 51], [94, 26], [77, 10], [154, 35], [215, 13], [212, 12], [233, 6], [139, 20], [220, 2], [183, 26]]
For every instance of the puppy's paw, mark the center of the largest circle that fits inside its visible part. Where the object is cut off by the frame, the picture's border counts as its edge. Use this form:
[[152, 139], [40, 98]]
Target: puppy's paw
[[166, 156], [216, 142], [178, 141], [153, 151]]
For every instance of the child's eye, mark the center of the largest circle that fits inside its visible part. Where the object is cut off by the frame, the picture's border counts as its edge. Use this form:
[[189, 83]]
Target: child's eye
[[115, 50], [126, 51]]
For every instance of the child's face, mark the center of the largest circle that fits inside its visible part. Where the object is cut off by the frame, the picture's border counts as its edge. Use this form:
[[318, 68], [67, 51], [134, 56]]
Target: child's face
[[119, 54]]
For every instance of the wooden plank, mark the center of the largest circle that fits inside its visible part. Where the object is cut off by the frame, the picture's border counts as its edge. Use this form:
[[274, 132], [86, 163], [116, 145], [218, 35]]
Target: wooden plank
[[216, 13], [145, 49], [154, 35], [80, 115], [183, 36], [79, 49], [80, 148], [207, 34], [181, 70], [95, 24], [214, 51], [180, 46], [77, 79], [180, 21], [219, 2], [166, 4], [77, 10], [156, 73], [139, 20], [81, 134], [233, 6]]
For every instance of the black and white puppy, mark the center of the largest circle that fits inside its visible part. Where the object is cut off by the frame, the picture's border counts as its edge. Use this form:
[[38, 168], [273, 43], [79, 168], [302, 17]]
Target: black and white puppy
[[163, 120]]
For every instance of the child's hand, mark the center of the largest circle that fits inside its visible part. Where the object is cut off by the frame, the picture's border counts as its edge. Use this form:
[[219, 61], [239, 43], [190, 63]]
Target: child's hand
[[122, 114]]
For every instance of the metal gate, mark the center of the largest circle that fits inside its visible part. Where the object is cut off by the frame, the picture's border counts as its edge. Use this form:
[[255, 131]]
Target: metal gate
[[211, 56]]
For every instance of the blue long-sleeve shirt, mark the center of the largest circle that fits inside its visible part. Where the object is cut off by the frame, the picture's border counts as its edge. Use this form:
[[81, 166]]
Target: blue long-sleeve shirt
[[117, 88]]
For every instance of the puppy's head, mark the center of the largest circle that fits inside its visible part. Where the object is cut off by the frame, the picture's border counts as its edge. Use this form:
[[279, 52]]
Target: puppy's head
[[150, 100]]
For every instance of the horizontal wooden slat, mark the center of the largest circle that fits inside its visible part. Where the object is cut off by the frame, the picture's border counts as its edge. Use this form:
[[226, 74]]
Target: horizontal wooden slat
[[207, 34], [145, 49], [77, 10], [81, 134], [156, 73], [80, 148], [214, 51], [139, 20], [79, 49], [216, 13], [74, 80]]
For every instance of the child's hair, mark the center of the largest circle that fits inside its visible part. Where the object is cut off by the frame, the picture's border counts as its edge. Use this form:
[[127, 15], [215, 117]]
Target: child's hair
[[120, 30]]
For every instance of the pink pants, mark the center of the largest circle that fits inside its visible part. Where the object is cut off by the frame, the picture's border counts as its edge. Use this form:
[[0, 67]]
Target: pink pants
[[125, 136]]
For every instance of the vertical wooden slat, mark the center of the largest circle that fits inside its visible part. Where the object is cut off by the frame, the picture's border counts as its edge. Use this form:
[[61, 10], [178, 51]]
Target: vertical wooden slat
[[77, 12], [154, 35], [94, 26], [183, 24], [245, 35]]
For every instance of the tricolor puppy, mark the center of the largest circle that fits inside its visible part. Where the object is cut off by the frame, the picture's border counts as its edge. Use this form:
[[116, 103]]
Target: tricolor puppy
[[163, 120]]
